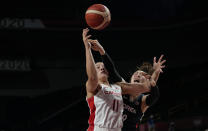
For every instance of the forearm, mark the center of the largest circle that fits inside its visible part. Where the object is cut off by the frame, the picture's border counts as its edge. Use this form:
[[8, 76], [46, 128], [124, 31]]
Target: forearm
[[155, 75], [90, 65], [109, 65], [133, 89]]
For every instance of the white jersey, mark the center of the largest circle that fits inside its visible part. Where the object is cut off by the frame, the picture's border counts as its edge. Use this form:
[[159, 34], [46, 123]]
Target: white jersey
[[106, 109]]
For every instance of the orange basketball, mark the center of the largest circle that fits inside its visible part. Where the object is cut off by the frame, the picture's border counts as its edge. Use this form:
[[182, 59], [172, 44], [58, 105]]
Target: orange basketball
[[98, 16]]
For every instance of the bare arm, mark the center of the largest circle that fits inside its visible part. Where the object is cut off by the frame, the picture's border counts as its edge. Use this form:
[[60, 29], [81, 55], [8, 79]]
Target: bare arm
[[135, 88], [150, 99], [92, 82]]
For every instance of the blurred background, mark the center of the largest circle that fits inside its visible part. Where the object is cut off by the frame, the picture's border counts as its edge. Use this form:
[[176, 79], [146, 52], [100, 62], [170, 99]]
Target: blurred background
[[42, 61]]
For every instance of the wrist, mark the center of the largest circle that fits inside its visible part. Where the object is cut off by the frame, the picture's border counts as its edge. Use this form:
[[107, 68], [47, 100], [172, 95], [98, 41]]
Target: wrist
[[157, 71], [102, 51]]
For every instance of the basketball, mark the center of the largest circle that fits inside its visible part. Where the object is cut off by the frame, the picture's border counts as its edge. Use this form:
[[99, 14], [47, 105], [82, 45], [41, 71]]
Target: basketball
[[98, 16]]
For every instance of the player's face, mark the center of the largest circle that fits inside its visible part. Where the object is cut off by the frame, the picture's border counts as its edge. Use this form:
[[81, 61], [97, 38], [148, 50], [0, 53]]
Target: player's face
[[137, 76], [101, 71]]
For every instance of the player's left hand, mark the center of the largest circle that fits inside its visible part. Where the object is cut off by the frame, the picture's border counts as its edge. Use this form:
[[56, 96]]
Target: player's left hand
[[96, 46], [158, 65]]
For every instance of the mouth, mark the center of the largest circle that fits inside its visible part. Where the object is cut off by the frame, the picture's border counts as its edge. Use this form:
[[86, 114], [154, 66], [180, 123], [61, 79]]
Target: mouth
[[136, 81], [103, 72]]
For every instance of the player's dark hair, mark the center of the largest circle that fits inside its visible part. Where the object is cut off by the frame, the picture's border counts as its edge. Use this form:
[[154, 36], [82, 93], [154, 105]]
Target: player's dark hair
[[146, 67]]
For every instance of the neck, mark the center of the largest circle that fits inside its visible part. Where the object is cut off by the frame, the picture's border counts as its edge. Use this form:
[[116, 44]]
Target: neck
[[105, 83]]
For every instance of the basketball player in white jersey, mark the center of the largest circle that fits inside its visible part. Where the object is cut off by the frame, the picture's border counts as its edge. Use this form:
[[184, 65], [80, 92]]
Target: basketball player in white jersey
[[134, 105], [105, 99]]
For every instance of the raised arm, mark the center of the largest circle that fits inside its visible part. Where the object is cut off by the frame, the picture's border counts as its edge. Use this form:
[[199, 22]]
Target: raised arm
[[114, 76], [153, 96], [92, 82]]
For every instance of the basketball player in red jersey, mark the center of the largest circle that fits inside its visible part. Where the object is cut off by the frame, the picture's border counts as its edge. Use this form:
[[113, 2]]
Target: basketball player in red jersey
[[134, 105], [105, 99]]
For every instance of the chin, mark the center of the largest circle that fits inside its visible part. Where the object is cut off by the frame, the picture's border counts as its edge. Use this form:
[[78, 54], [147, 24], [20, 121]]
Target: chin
[[104, 76]]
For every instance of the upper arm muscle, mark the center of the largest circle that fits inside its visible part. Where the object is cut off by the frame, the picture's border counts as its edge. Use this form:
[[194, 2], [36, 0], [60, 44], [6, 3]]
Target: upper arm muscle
[[91, 88]]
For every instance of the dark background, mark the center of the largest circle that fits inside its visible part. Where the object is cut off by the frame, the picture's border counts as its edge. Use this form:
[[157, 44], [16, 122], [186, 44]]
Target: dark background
[[50, 93]]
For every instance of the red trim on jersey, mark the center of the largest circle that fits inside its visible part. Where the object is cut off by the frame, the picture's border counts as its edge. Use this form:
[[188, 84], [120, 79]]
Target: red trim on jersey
[[92, 107]]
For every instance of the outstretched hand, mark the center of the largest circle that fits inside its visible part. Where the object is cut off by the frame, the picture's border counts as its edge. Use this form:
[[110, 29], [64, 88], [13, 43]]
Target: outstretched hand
[[158, 65], [86, 37]]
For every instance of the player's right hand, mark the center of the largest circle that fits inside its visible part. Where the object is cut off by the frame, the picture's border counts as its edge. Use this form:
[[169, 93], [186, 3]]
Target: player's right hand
[[86, 37]]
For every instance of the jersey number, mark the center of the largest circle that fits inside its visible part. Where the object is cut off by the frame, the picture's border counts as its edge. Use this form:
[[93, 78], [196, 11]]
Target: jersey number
[[115, 105]]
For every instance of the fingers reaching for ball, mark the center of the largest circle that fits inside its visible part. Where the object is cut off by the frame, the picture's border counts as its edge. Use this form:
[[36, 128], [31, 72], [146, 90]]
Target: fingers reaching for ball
[[96, 46], [86, 37]]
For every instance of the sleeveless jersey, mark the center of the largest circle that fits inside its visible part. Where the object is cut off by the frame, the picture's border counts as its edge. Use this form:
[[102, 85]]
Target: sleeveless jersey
[[106, 108], [132, 113]]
